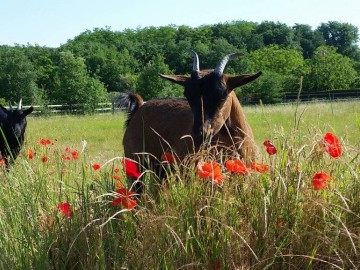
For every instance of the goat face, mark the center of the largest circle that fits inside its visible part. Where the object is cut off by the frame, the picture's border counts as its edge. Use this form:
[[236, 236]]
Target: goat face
[[208, 94], [14, 122]]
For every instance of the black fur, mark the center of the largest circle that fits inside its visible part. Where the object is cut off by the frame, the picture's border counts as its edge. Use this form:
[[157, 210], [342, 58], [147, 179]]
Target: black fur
[[129, 102], [12, 130]]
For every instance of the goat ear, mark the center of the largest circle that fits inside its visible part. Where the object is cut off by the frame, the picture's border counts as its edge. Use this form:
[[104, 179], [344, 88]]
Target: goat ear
[[236, 81], [28, 111], [179, 79]]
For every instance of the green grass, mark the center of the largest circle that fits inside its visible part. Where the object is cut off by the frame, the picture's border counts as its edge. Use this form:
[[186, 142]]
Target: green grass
[[272, 220]]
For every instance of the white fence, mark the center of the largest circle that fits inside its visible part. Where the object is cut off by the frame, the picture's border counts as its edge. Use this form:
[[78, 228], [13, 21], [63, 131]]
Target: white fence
[[73, 109]]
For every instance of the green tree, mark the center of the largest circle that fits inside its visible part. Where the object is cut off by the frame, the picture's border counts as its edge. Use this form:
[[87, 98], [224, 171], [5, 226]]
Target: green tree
[[269, 88], [237, 33], [343, 36], [75, 86], [150, 85], [275, 59], [17, 76], [329, 70], [276, 33], [44, 61], [308, 39]]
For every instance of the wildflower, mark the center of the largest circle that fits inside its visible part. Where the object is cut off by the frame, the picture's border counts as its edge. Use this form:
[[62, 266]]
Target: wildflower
[[168, 157], [31, 153], [117, 177], [75, 154], [320, 180], [131, 168], [236, 166], [96, 166], [210, 170], [124, 197], [65, 157], [116, 170], [65, 209], [45, 142], [332, 145], [45, 159], [2, 162], [261, 168], [270, 147]]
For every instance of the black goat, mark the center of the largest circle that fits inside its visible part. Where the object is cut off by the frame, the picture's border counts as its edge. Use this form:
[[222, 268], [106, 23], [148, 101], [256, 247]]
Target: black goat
[[12, 130]]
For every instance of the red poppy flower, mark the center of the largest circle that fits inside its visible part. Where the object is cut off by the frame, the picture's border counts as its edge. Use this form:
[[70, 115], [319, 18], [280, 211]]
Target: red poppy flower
[[210, 170], [270, 147], [31, 153], [45, 142], [131, 168], [116, 170], [75, 154], [261, 168], [124, 197], [44, 159], [236, 166], [65, 157], [96, 166], [65, 209], [117, 177], [268, 143], [169, 157], [332, 145], [320, 180], [2, 162]]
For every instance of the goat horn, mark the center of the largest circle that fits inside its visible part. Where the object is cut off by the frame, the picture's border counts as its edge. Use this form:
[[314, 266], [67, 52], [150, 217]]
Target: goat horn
[[196, 66], [221, 66], [20, 104], [10, 106]]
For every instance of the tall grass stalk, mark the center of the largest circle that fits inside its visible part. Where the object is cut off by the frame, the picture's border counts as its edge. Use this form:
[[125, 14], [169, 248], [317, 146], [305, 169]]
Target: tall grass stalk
[[271, 220]]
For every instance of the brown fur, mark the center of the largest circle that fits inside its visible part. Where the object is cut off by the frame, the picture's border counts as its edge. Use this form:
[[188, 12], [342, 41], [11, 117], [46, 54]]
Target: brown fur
[[211, 111], [157, 127]]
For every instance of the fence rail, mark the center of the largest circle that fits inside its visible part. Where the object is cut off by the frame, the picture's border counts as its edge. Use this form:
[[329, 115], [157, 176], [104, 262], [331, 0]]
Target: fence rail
[[73, 108], [111, 108]]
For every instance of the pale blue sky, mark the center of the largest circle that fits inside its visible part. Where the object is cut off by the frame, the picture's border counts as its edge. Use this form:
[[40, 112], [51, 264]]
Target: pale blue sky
[[51, 23]]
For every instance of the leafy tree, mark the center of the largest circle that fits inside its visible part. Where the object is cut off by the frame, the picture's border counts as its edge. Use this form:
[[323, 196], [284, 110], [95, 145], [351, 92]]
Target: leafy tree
[[308, 39], [329, 70], [276, 33], [149, 83], [342, 36], [219, 48], [237, 33], [17, 76], [75, 86], [44, 61], [268, 88], [275, 59]]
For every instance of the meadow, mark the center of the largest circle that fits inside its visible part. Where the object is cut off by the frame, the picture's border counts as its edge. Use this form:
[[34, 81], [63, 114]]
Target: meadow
[[57, 207]]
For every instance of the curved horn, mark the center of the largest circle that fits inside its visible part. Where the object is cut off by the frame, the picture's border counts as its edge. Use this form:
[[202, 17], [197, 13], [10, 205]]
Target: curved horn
[[196, 66], [10, 106], [221, 66], [20, 104]]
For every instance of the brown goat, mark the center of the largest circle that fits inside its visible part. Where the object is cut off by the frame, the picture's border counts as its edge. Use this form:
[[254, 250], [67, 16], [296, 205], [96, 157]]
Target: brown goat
[[211, 111]]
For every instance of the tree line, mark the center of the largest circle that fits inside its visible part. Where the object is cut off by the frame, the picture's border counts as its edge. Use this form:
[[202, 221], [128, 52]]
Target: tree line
[[99, 63]]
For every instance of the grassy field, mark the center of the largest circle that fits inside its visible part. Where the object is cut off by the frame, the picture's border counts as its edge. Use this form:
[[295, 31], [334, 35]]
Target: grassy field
[[270, 220]]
